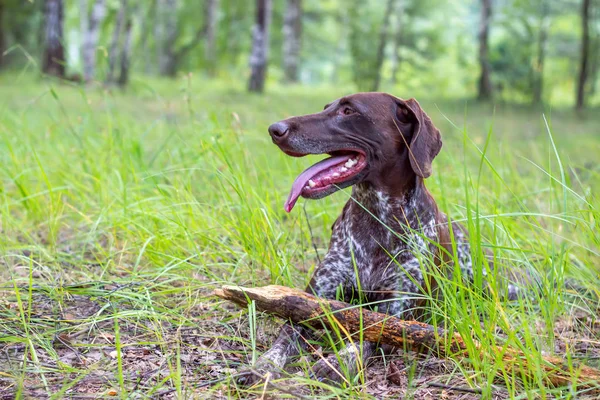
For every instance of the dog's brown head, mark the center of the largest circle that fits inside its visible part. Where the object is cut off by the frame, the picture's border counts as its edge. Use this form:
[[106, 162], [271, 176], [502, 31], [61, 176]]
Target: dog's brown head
[[371, 137]]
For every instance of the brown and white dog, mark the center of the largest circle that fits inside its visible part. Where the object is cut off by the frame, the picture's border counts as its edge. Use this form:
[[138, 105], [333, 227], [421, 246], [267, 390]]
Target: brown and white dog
[[389, 233]]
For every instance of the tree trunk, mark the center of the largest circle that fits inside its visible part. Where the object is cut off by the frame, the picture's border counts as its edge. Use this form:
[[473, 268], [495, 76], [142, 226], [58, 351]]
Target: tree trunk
[[584, 60], [166, 41], [485, 83], [210, 32], [303, 308], [538, 82], [2, 40], [292, 33], [114, 43], [90, 30], [54, 53], [260, 46], [383, 35], [397, 42], [594, 61], [125, 53]]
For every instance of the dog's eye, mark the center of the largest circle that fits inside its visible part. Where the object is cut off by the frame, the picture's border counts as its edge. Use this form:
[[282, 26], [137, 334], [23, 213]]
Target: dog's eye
[[347, 111], [403, 114]]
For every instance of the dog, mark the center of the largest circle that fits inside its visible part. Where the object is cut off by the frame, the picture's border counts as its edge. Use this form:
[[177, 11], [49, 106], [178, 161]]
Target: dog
[[391, 229]]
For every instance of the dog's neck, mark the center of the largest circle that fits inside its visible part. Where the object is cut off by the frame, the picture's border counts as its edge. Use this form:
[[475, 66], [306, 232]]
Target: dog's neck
[[407, 204]]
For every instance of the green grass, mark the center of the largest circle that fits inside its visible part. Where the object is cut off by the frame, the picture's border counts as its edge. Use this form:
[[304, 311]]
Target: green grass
[[120, 212]]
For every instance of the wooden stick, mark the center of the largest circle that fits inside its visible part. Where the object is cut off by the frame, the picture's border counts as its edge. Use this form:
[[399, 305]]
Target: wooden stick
[[302, 308]]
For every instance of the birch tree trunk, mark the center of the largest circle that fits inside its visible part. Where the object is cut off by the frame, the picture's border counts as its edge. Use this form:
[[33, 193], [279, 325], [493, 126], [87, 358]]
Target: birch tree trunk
[[114, 43], [211, 24], [585, 50], [260, 46], [383, 35], [292, 39], [90, 31], [54, 53], [485, 83], [538, 82], [125, 53]]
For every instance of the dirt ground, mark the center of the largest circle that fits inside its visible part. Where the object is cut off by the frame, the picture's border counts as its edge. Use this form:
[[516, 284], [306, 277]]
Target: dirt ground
[[84, 361]]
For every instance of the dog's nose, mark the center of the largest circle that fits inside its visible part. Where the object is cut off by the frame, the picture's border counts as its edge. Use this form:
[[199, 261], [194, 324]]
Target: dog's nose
[[279, 129]]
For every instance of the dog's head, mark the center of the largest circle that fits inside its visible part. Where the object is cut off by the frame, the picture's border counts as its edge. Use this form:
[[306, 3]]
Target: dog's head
[[368, 136]]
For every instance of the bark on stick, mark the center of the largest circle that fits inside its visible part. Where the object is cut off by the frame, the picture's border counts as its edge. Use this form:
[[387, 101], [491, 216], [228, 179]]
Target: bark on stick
[[303, 308]]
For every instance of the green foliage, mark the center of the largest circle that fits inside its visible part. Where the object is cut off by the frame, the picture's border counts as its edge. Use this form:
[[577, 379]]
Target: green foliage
[[234, 36], [437, 44], [511, 62], [21, 25], [365, 22], [422, 39], [139, 203]]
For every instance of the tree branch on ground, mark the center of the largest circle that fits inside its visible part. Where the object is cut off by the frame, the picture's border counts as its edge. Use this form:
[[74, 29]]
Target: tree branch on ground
[[303, 308]]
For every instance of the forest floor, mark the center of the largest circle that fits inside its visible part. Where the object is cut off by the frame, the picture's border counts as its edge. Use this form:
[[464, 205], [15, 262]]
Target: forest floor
[[121, 212]]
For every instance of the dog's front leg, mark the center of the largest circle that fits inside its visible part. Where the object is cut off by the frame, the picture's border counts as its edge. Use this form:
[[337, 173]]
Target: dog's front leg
[[347, 363], [354, 358], [325, 282], [288, 344]]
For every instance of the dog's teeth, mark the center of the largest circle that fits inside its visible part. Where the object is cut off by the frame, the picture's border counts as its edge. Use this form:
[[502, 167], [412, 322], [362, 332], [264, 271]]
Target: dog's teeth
[[351, 163], [311, 183], [335, 175], [306, 187], [343, 169]]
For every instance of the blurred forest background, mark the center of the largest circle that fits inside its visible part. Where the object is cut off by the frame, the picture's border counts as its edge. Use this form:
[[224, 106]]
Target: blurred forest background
[[137, 176], [518, 51]]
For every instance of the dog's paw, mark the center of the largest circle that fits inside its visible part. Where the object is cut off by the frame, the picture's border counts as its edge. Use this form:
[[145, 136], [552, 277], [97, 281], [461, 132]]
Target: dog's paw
[[252, 376], [328, 370]]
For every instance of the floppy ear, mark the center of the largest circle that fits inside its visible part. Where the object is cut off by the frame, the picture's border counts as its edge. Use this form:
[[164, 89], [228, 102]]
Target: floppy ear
[[426, 141]]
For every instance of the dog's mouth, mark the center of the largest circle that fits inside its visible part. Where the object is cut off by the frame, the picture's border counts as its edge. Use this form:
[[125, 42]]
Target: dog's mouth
[[326, 176]]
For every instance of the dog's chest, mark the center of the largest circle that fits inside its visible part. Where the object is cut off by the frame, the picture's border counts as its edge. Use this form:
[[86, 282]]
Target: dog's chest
[[383, 244]]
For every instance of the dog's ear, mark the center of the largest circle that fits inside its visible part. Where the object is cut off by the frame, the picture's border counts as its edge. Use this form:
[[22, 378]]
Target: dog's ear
[[426, 140]]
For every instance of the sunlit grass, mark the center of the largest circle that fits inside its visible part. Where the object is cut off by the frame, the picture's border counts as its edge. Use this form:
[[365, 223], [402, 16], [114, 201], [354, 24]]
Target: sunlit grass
[[138, 204]]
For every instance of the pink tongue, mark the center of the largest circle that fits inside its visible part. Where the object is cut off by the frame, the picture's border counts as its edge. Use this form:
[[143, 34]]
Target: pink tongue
[[304, 177]]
